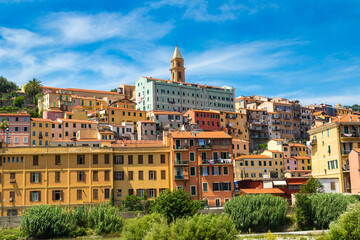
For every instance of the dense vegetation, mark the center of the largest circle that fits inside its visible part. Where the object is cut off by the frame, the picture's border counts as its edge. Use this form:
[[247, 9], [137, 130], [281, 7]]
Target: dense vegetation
[[7, 86], [257, 212]]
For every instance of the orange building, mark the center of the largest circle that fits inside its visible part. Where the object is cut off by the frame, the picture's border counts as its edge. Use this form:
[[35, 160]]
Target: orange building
[[206, 120], [202, 165]]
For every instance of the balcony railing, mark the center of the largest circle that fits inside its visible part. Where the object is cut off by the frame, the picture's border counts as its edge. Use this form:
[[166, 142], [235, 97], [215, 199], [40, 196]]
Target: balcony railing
[[276, 122], [206, 146], [346, 152], [181, 147], [181, 162], [216, 161], [350, 135], [12, 180], [181, 177], [276, 129]]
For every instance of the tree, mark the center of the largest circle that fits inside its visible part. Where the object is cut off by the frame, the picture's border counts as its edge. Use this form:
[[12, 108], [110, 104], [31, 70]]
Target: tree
[[32, 88], [176, 204], [4, 125], [19, 101], [312, 186], [262, 146], [7, 86], [113, 90]]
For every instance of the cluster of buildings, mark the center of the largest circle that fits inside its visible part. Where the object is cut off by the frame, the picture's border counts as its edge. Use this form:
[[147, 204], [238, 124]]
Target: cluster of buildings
[[168, 134]]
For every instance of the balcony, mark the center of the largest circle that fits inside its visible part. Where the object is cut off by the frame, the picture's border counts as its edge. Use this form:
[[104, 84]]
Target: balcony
[[229, 125], [181, 177], [350, 137], [313, 142], [276, 122], [345, 168], [205, 147], [276, 116], [181, 147], [345, 152], [216, 161], [181, 162], [276, 129], [12, 180]]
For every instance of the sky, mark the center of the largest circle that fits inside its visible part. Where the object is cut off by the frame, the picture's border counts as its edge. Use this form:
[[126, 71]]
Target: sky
[[305, 50]]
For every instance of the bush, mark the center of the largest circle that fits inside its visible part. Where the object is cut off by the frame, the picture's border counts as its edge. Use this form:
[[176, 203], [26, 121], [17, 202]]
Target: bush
[[133, 203], [103, 219], [319, 210], [176, 204], [137, 228], [79, 217], [204, 227], [45, 221], [347, 225], [257, 212]]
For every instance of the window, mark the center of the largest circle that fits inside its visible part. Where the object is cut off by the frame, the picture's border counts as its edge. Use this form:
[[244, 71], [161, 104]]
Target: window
[[107, 193], [216, 171], [329, 149], [130, 159], [333, 164], [205, 187], [57, 177], [35, 160], [119, 159], [95, 159], [141, 175], [12, 196], [106, 158], [191, 142], [163, 174], [253, 175], [162, 157], [150, 159], [192, 171], [118, 176], [16, 139], [80, 159], [204, 171], [226, 170], [152, 175], [35, 196], [95, 194], [131, 192], [57, 160], [12, 178], [79, 194], [95, 176], [193, 190], [131, 175], [35, 177], [140, 159], [107, 175], [332, 186], [216, 186], [80, 176], [57, 195], [226, 186]]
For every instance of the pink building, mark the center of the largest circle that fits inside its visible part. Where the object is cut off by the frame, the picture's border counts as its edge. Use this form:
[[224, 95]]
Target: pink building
[[53, 114], [65, 129], [146, 130], [18, 133], [354, 165]]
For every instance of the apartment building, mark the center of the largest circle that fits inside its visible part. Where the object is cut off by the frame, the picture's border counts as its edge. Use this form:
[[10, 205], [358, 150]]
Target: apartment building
[[307, 120], [255, 167], [257, 127], [201, 164], [65, 129], [354, 166], [54, 175], [146, 130], [178, 95], [18, 132], [40, 131], [205, 120], [331, 144], [240, 147], [235, 124], [166, 121]]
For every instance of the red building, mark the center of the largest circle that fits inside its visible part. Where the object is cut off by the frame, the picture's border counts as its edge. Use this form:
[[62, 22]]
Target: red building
[[202, 165], [206, 120]]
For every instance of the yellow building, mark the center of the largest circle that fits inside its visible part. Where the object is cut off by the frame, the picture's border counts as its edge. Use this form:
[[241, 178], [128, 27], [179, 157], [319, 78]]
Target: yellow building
[[40, 132], [54, 175], [278, 160], [254, 167], [113, 115], [50, 101], [331, 144], [235, 124]]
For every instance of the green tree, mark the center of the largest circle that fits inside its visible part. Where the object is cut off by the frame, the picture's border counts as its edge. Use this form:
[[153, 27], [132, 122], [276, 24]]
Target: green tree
[[312, 186], [7, 86], [19, 101], [113, 90], [262, 146], [133, 203], [176, 204], [4, 125], [32, 88]]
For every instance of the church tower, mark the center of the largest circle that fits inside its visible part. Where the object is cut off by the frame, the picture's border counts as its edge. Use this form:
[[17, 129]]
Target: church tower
[[177, 67]]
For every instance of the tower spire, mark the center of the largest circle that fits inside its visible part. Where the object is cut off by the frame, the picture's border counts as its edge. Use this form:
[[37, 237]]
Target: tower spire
[[177, 67]]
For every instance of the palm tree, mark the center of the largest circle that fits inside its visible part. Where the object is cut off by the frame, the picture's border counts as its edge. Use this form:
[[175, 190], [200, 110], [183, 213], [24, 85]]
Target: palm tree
[[4, 125], [32, 88]]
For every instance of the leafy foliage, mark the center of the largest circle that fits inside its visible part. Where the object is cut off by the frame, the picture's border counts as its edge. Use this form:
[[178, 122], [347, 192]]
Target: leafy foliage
[[103, 219], [176, 204], [19, 101], [133, 203], [7, 86], [33, 88], [347, 225], [257, 212], [45, 221], [319, 210], [312, 186], [138, 227]]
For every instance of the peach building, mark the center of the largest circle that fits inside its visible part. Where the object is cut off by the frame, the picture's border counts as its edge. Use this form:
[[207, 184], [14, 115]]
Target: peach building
[[240, 147], [18, 133], [354, 166]]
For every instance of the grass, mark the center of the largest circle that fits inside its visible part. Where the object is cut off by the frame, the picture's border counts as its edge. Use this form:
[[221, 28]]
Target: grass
[[10, 233]]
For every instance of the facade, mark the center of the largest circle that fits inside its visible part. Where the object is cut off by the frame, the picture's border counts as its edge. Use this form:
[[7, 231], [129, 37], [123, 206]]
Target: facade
[[166, 121], [235, 124], [201, 164], [127, 90], [257, 127], [18, 132], [206, 120], [178, 95], [254, 167], [331, 144], [53, 114], [354, 166], [40, 132], [240, 147], [146, 130]]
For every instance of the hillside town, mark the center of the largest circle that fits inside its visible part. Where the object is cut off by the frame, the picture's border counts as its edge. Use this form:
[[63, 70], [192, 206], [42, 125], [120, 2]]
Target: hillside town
[[171, 134]]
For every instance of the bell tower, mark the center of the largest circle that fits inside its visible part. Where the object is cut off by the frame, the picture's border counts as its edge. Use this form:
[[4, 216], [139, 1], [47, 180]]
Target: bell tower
[[177, 67]]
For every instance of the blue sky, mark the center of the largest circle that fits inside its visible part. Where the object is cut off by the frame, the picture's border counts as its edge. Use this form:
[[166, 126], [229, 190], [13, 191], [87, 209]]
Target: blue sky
[[306, 50]]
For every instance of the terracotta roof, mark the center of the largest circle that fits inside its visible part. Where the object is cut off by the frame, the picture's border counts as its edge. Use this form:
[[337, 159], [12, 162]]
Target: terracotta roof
[[262, 191], [318, 113], [54, 110], [301, 158], [253, 156], [78, 140], [78, 107], [146, 121], [277, 139], [213, 134], [239, 140], [14, 114], [128, 109], [203, 111], [143, 143], [40, 120], [76, 121], [296, 145], [356, 150], [273, 151], [69, 113], [82, 90], [166, 112]]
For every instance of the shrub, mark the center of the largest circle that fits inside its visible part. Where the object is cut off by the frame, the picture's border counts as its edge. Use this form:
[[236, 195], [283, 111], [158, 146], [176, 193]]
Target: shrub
[[79, 217], [103, 219], [45, 221], [133, 203], [137, 228], [319, 210], [257, 212], [347, 225], [176, 204], [201, 226]]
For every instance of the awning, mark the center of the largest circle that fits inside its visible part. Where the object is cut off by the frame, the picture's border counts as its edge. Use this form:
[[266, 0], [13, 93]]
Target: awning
[[279, 183]]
